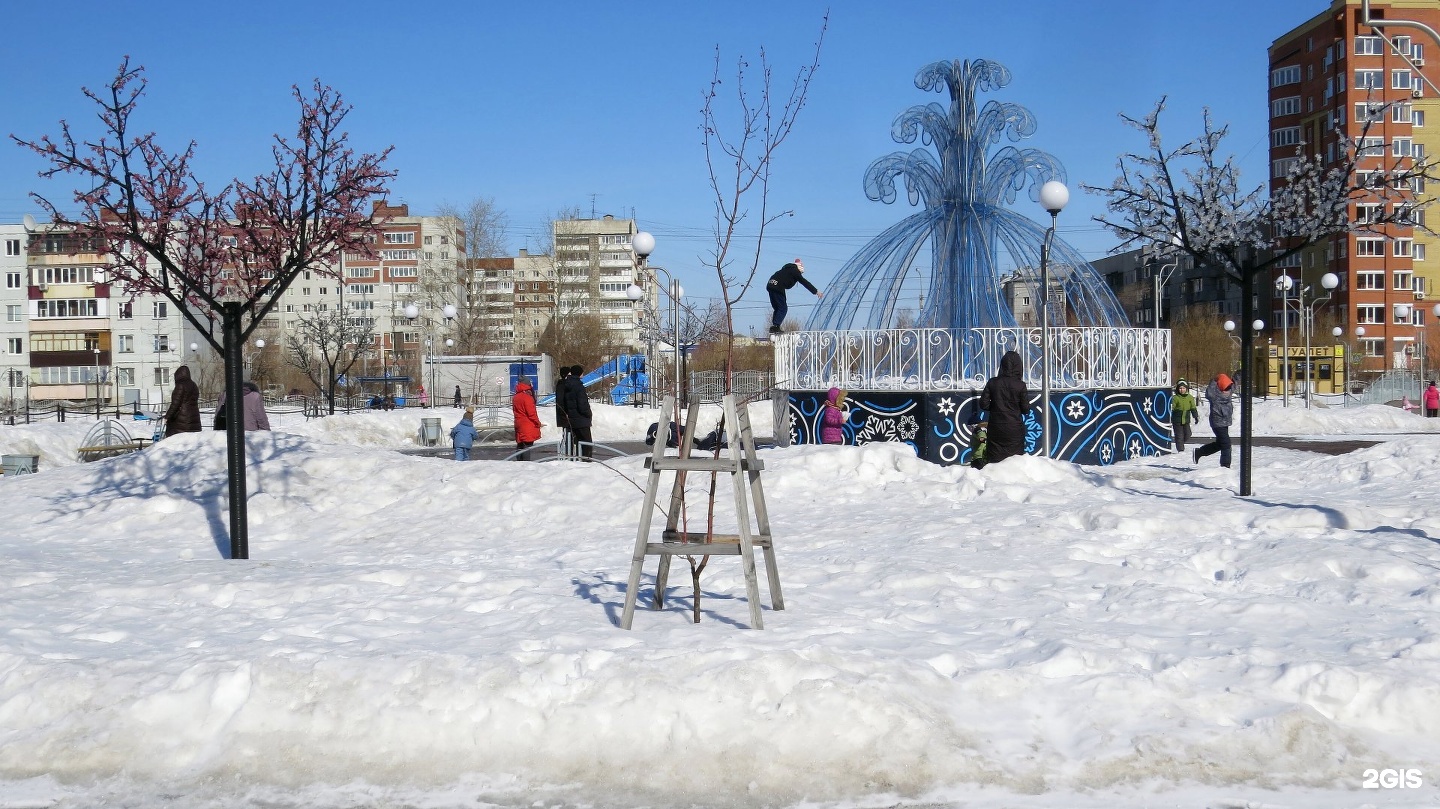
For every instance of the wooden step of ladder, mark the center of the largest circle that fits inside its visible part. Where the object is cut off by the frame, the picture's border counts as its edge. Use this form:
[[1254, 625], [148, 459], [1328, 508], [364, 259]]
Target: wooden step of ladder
[[740, 461]]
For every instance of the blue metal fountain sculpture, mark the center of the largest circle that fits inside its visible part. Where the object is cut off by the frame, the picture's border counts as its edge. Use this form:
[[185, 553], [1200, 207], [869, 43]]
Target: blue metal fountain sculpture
[[914, 374], [965, 226]]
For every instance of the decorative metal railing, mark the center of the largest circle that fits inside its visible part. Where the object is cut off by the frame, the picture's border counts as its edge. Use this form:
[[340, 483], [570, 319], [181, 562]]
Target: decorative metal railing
[[1082, 357]]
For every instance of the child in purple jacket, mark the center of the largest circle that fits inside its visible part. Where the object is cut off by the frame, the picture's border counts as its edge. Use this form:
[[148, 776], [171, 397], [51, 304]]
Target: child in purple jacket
[[832, 420]]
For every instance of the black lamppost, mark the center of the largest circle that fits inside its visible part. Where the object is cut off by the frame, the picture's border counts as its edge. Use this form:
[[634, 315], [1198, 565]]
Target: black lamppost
[[1053, 196]]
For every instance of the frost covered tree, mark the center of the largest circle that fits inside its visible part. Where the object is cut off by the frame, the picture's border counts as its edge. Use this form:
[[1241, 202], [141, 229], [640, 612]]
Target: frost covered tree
[[222, 256], [1190, 200]]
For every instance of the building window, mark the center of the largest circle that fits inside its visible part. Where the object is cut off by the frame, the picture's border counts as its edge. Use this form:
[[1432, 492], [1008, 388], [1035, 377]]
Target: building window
[[357, 272], [1372, 346], [1285, 107], [127, 310], [1400, 113], [1368, 213], [400, 238], [162, 377], [1369, 80], [1418, 253], [1371, 313], [162, 343], [1402, 280], [1369, 247], [360, 289], [1371, 147], [1402, 45], [12, 247], [1401, 147], [1401, 248], [1369, 112], [161, 309], [429, 239], [1370, 280], [12, 280], [1420, 284], [15, 345], [1286, 136], [74, 307], [125, 377], [126, 343], [1400, 80], [1280, 76], [399, 255], [1283, 167], [1369, 46], [14, 313]]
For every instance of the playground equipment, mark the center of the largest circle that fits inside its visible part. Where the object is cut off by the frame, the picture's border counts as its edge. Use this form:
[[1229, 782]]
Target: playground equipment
[[632, 380]]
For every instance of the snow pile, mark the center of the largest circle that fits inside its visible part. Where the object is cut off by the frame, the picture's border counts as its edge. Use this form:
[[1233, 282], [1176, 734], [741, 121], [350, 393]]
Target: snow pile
[[413, 631]]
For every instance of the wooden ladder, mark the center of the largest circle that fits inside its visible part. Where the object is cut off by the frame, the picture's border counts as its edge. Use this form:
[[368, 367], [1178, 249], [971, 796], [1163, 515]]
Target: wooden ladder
[[744, 468]]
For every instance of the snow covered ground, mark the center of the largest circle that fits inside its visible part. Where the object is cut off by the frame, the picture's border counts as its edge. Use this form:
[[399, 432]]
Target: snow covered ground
[[415, 632]]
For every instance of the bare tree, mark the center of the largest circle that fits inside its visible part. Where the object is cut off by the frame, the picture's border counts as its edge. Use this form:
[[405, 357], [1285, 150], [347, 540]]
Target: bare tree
[[1189, 200], [225, 257], [580, 338], [325, 346]]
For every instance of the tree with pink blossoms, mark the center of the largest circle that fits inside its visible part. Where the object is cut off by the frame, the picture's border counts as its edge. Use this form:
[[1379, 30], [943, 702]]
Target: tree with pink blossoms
[[222, 256]]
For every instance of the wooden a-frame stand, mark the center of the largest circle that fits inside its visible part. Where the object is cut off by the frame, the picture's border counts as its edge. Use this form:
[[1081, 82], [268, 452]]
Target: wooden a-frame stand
[[744, 469]]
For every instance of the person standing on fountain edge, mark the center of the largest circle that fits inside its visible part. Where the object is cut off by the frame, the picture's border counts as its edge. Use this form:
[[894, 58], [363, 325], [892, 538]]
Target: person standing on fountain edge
[[786, 278], [1219, 395], [1005, 401]]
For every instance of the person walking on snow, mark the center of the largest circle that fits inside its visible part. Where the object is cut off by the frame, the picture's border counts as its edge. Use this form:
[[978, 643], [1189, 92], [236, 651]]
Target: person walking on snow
[[1183, 412], [463, 435], [183, 415], [527, 421], [1432, 401], [457, 396], [572, 399], [1219, 395], [786, 278]]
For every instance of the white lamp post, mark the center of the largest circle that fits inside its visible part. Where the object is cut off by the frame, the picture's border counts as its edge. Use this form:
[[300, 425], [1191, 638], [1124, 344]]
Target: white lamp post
[[1053, 197], [644, 244], [1283, 285]]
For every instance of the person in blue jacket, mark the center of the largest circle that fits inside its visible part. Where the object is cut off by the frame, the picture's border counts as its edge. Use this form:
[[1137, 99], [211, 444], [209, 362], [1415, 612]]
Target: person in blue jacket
[[463, 435]]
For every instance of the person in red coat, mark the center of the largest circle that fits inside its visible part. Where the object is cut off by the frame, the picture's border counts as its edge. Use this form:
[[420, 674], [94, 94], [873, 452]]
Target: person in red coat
[[527, 422]]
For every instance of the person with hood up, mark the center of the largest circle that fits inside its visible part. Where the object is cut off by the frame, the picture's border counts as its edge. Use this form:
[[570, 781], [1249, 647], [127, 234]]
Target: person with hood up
[[457, 396], [572, 399], [527, 421], [1219, 395], [1432, 401], [463, 435], [183, 415], [1004, 402], [253, 408], [786, 278], [832, 420], [1184, 411]]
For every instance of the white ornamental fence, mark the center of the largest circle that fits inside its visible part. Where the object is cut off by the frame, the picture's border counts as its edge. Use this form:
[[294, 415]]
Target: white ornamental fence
[[1081, 358]]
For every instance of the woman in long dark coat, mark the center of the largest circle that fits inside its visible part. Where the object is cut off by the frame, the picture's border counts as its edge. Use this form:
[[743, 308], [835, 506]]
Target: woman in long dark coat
[[1005, 401], [183, 415]]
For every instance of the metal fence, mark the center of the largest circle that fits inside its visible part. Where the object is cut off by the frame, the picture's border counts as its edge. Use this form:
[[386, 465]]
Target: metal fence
[[1392, 386], [709, 386], [1082, 357]]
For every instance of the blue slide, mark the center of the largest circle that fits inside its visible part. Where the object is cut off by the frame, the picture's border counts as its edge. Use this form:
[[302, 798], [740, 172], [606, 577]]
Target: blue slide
[[628, 371]]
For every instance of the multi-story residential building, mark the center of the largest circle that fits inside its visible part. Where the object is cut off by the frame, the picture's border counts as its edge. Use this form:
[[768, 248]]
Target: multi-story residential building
[[594, 267], [1333, 76], [1187, 290], [511, 299], [14, 300]]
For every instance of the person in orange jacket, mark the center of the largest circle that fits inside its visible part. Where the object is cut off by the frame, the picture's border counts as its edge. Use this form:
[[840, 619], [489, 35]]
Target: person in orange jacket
[[527, 421]]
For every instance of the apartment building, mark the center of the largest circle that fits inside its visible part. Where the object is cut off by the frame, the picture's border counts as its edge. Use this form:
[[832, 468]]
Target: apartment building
[[1186, 291], [512, 299], [71, 335], [1335, 75], [595, 265]]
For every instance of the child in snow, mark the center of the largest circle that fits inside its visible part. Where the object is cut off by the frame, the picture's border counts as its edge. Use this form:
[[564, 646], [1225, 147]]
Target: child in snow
[[1183, 412], [463, 435], [978, 441], [832, 420]]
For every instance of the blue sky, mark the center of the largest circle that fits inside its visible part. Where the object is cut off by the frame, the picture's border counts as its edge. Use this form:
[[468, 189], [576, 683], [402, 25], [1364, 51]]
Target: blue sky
[[544, 106]]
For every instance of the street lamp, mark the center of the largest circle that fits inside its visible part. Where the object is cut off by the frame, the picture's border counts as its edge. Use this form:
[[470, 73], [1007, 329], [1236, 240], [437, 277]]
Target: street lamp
[[97, 382], [644, 244], [1053, 196], [195, 358], [1329, 281]]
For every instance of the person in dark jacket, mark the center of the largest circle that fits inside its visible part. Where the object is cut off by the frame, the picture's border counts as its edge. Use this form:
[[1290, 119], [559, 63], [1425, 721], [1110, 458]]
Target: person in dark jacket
[[786, 278], [457, 395], [1219, 395], [183, 415], [571, 398], [1005, 401]]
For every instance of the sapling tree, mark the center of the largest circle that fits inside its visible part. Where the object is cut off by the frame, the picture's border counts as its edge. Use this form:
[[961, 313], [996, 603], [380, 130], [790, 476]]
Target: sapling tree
[[742, 136], [325, 346], [225, 255], [1190, 200]]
